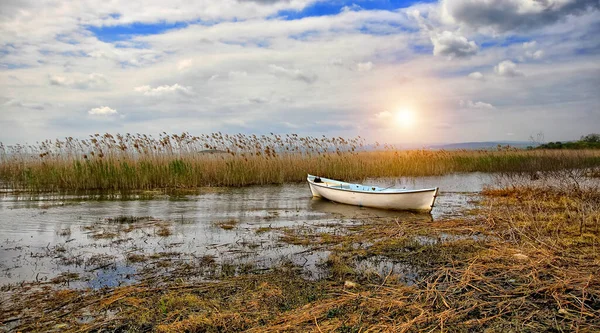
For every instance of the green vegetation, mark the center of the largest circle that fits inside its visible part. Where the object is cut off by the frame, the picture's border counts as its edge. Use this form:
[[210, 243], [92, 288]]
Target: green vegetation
[[590, 141], [140, 162]]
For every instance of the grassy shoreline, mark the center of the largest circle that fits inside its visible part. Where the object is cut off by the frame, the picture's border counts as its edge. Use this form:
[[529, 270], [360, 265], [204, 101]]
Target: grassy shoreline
[[180, 162]]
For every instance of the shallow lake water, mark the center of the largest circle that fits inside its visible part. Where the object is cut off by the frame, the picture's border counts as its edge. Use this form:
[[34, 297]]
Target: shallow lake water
[[45, 235]]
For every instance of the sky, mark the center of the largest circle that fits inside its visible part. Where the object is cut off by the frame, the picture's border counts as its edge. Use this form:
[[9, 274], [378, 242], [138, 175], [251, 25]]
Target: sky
[[395, 71]]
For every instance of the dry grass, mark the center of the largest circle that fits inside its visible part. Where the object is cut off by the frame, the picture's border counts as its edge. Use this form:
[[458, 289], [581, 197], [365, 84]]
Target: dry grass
[[140, 162], [226, 224], [164, 231], [526, 261]]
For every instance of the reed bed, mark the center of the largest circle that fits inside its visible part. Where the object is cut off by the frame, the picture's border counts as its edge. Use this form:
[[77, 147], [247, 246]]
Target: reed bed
[[142, 162]]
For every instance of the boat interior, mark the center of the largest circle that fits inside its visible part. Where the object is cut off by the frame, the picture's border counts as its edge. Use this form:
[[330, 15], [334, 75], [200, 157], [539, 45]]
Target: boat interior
[[356, 187], [343, 185]]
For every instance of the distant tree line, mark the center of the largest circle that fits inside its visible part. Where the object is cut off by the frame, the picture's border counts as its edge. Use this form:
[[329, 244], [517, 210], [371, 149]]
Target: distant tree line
[[590, 141]]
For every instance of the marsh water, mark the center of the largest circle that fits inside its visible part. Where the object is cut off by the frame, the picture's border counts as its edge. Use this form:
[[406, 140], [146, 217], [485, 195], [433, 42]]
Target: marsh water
[[45, 236]]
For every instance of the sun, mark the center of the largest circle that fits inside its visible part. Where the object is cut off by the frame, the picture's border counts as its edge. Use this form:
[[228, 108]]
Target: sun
[[405, 117]]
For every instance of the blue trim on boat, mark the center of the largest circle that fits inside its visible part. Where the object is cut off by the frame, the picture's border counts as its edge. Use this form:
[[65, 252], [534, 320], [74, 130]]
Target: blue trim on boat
[[366, 192]]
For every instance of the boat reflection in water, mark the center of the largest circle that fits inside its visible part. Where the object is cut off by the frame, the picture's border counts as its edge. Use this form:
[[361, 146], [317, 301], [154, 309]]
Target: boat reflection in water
[[349, 211]]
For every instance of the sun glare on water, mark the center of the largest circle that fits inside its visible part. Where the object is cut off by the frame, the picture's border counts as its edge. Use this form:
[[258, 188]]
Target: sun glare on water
[[405, 117]]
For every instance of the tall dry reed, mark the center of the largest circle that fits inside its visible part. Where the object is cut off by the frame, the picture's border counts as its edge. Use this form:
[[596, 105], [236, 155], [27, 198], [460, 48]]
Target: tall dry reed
[[138, 162]]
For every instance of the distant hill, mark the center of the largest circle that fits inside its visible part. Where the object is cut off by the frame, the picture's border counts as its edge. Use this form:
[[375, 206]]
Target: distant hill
[[456, 145], [590, 141], [481, 145]]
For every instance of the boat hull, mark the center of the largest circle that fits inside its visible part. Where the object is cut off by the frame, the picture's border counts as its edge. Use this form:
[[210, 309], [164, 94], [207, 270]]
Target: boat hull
[[418, 200]]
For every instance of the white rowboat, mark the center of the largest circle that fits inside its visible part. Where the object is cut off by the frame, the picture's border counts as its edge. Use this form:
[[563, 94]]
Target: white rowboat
[[372, 196]]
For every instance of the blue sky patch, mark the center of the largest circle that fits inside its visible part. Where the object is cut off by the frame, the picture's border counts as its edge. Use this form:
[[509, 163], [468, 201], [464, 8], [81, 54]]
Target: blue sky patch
[[383, 28], [510, 40], [324, 8], [74, 54], [462, 72], [305, 35], [13, 66], [116, 33], [66, 39], [423, 49], [131, 44], [262, 43]]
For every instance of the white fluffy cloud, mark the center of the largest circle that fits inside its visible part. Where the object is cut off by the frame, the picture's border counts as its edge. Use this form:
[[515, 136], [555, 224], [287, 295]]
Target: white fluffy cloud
[[102, 111], [452, 45], [507, 68], [166, 89], [91, 81], [534, 54], [183, 64], [476, 76], [468, 104], [364, 66], [531, 52]]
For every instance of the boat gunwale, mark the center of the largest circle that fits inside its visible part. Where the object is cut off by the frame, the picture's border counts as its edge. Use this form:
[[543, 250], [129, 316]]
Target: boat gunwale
[[368, 192]]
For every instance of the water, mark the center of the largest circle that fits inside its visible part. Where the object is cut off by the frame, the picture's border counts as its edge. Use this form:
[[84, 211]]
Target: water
[[45, 237]]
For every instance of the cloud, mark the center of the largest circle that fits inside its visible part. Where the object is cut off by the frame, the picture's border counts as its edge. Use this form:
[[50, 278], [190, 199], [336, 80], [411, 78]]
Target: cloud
[[290, 125], [183, 64], [162, 90], [452, 45], [265, 2], [443, 126], [534, 55], [336, 62], [232, 75], [383, 119], [476, 76], [323, 50], [506, 15], [90, 81], [353, 7], [294, 74], [383, 115], [475, 105], [18, 103], [364, 66], [258, 100], [102, 111], [507, 68], [530, 52]]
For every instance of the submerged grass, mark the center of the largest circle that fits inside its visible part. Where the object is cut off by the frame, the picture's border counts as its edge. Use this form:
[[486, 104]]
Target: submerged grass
[[140, 162], [525, 261], [226, 224]]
